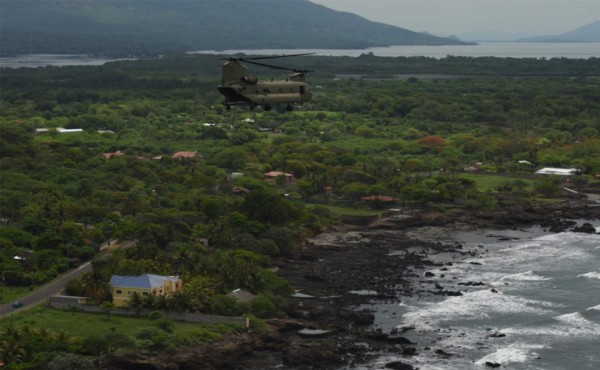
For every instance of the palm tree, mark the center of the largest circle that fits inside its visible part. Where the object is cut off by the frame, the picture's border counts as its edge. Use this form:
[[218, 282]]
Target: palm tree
[[160, 303], [95, 284], [12, 347], [200, 289], [179, 301]]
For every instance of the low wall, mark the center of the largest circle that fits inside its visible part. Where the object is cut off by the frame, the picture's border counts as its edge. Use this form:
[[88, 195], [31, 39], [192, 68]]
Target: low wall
[[62, 302]]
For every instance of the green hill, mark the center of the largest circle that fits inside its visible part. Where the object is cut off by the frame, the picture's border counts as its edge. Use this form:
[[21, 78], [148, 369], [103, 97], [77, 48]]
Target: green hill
[[162, 26]]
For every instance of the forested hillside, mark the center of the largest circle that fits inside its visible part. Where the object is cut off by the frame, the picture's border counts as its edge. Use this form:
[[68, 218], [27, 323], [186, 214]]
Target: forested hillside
[[154, 27], [63, 194]]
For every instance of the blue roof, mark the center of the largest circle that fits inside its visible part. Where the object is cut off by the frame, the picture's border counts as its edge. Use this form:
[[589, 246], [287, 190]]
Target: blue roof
[[147, 281]]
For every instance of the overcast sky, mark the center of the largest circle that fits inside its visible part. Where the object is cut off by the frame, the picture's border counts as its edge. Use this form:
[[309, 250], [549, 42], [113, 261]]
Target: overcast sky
[[513, 18]]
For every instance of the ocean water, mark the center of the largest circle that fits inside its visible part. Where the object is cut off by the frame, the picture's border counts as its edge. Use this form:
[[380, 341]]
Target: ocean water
[[533, 303]]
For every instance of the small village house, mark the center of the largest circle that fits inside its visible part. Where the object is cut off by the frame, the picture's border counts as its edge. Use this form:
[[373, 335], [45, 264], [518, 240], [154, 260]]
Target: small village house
[[122, 288], [118, 153], [184, 154], [290, 179]]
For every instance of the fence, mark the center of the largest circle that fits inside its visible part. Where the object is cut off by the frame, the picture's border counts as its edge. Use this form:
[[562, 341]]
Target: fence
[[62, 302]]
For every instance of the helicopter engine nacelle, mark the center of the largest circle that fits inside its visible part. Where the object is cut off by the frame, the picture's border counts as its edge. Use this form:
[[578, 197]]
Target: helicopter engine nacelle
[[250, 79], [298, 77]]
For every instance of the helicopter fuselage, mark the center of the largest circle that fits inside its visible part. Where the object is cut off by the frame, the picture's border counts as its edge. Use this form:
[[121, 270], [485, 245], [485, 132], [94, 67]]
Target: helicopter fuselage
[[266, 93], [241, 88]]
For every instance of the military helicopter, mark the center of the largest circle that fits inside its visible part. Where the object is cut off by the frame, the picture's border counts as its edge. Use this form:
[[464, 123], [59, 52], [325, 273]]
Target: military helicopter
[[241, 88]]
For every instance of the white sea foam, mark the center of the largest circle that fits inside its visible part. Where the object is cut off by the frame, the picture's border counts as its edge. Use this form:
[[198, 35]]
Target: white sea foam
[[590, 275], [480, 304], [512, 353], [568, 237], [597, 308], [542, 252], [574, 318], [524, 276], [568, 326], [522, 246]]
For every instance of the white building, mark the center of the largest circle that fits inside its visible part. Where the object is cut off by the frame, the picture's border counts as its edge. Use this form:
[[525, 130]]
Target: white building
[[557, 171]]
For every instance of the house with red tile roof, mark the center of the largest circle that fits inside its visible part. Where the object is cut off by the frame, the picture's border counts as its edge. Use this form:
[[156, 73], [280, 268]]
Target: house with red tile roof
[[118, 153], [289, 177], [184, 154]]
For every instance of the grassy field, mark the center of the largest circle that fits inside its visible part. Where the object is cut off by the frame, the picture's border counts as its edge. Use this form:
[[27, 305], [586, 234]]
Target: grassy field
[[13, 293], [487, 183], [82, 324]]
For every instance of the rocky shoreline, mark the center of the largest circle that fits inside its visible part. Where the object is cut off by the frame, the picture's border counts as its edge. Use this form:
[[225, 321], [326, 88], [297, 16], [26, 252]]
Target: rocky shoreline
[[348, 266]]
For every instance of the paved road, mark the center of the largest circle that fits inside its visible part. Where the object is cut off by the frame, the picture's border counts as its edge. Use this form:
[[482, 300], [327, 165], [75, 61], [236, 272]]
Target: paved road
[[42, 294]]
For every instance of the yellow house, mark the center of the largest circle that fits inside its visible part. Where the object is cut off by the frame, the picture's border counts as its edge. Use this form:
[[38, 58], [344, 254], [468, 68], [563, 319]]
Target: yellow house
[[123, 287]]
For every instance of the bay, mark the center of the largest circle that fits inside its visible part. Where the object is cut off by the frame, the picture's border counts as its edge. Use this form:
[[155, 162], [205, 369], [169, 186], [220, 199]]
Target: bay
[[58, 60], [490, 49]]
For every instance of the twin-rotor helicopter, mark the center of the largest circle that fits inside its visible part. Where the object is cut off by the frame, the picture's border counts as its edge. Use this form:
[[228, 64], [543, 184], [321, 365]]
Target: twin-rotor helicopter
[[239, 87]]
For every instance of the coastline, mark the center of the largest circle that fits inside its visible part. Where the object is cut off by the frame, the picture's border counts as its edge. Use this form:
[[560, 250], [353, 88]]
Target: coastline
[[344, 268]]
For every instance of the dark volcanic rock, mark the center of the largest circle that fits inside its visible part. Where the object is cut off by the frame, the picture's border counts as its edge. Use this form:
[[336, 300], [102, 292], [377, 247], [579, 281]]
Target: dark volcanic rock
[[470, 283], [361, 318], [585, 228], [397, 365], [443, 353], [409, 351], [386, 338], [492, 364]]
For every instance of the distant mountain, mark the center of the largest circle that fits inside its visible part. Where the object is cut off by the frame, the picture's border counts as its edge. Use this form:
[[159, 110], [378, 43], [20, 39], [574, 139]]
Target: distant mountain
[[588, 33], [492, 36], [161, 26]]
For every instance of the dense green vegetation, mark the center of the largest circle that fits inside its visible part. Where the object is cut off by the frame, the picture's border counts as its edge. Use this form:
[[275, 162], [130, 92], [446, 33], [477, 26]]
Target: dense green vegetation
[[198, 218]]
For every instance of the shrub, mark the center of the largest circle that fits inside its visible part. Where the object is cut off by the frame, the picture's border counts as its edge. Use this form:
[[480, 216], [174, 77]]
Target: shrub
[[156, 315], [263, 307], [226, 306]]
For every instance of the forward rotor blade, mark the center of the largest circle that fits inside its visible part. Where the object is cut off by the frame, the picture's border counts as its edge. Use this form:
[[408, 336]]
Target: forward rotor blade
[[275, 67], [277, 56], [241, 59]]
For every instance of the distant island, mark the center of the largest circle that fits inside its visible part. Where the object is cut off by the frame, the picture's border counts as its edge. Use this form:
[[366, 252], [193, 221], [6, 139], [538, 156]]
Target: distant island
[[158, 27], [588, 33]]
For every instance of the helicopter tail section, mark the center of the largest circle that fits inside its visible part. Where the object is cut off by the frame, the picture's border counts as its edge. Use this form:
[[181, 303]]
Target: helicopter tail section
[[233, 72]]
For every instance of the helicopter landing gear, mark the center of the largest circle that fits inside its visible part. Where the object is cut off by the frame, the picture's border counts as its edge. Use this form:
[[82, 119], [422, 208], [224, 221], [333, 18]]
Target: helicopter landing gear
[[267, 107]]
